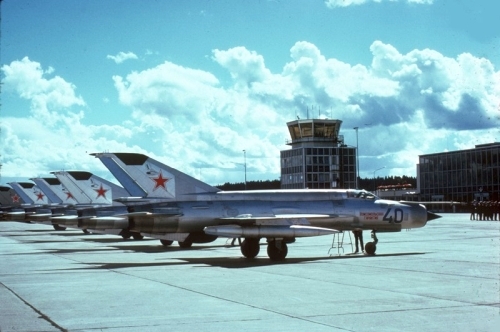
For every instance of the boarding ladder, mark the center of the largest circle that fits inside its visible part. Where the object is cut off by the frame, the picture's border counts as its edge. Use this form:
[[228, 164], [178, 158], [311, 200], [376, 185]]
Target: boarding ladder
[[338, 243]]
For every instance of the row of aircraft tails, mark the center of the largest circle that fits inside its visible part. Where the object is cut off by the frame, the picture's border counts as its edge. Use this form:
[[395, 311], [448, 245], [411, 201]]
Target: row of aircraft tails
[[158, 201]]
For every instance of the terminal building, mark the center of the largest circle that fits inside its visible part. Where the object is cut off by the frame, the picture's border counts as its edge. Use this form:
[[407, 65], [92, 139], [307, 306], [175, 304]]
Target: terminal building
[[318, 158], [461, 176]]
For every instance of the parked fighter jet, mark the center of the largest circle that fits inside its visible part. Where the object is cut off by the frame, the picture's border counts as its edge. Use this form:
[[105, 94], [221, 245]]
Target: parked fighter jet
[[33, 199], [190, 211], [9, 200], [96, 210]]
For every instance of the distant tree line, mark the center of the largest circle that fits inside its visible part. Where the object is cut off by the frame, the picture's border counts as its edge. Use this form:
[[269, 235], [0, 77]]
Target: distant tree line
[[364, 183], [371, 183], [251, 185]]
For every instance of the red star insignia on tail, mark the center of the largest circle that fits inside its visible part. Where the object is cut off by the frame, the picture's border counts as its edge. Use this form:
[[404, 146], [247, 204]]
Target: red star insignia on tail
[[15, 198], [160, 181], [101, 192], [70, 195], [39, 196]]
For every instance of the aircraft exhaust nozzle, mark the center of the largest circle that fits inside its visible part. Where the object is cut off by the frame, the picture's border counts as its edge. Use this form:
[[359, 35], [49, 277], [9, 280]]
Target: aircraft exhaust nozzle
[[432, 216]]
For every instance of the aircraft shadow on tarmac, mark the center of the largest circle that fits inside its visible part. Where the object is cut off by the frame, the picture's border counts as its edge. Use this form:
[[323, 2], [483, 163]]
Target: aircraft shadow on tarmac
[[230, 262]]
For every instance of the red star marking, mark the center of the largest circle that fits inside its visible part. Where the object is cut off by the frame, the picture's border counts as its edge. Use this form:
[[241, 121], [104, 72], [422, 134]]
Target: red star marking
[[15, 198], [101, 192], [40, 196], [69, 195], [160, 181]]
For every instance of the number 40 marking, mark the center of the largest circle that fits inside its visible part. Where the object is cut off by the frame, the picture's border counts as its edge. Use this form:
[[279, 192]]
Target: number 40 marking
[[394, 217]]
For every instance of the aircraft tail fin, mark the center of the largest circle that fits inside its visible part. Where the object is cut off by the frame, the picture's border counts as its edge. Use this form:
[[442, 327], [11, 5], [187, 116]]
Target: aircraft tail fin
[[52, 188], [87, 188], [29, 192], [9, 197], [143, 176]]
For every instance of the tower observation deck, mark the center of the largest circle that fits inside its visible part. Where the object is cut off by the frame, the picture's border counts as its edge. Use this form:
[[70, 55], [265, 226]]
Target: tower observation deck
[[318, 157]]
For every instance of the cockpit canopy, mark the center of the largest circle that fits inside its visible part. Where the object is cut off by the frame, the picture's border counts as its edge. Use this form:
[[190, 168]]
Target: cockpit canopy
[[361, 193]]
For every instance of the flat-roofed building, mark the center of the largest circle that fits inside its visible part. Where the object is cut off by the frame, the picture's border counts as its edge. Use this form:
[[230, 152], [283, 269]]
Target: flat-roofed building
[[318, 157], [462, 175]]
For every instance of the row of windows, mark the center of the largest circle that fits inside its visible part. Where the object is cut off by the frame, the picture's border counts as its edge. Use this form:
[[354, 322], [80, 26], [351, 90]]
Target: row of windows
[[460, 175], [318, 152], [330, 151], [317, 160], [460, 178], [317, 168], [461, 160]]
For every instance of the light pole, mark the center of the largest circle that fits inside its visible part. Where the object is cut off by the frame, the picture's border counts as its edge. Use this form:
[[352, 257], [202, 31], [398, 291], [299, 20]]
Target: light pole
[[245, 165], [357, 158], [374, 181]]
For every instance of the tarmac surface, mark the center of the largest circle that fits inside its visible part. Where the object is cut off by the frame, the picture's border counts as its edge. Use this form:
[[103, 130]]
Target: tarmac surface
[[444, 276]]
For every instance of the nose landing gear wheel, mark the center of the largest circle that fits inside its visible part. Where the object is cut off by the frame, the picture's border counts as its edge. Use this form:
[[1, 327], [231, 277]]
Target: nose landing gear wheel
[[370, 248]]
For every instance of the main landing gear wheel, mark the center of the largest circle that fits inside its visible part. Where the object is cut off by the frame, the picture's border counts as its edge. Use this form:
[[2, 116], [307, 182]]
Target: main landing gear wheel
[[137, 236], [185, 244], [277, 250], [250, 248], [166, 243], [59, 228]]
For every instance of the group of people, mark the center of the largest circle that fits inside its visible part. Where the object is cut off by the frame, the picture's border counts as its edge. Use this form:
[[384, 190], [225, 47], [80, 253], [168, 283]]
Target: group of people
[[485, 210]]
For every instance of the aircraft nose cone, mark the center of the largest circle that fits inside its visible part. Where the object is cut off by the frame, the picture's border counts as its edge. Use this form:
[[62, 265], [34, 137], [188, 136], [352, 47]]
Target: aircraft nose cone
[[432, 216]]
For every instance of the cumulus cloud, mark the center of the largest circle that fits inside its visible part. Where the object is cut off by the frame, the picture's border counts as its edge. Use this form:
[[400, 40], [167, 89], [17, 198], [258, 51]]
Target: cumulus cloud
[[48, 96], [54, 135], [347, 3], [404, 104], [122, 56]]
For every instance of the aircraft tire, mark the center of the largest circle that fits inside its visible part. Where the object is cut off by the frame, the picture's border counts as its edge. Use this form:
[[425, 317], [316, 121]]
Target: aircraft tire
[[370, 248], [250, 248], [275, 252], [59, 228], [185, 244], [85, 231], [137, 236], [166, 243]]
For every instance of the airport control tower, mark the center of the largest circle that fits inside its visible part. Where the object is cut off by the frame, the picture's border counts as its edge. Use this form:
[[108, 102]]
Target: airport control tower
[[318, 157]]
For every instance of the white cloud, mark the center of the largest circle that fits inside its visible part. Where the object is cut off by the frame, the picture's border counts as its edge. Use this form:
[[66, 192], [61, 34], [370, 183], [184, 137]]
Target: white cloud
[[122, 56], [53, 136], [400, 95], [347, 3], [415, 103]]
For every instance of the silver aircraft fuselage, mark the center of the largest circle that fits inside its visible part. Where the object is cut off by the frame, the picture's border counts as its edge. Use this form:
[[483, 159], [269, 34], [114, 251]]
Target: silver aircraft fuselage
[[341, 209]]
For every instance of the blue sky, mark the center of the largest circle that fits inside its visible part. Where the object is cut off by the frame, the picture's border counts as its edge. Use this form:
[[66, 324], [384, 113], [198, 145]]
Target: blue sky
[[194, 83]]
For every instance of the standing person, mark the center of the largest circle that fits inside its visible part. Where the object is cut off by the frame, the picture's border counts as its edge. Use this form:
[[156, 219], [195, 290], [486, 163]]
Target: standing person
[[473, 210], [358, 237]]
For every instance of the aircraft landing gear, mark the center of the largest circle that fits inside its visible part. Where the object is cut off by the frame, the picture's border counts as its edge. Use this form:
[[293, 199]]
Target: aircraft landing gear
[[185, 244], [371, 247], [166, 243], [277, 250], [137, 236], [59, 228], [250, 247]]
